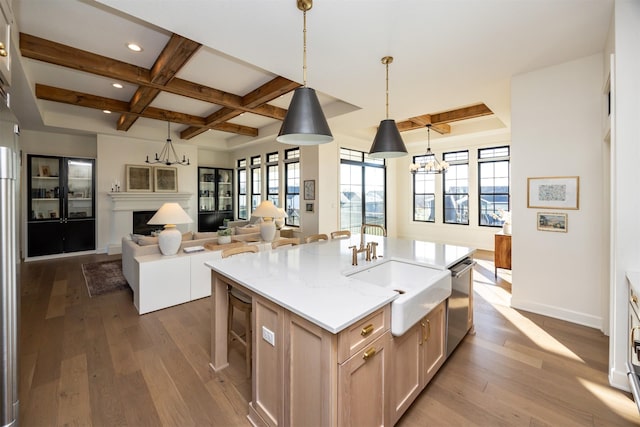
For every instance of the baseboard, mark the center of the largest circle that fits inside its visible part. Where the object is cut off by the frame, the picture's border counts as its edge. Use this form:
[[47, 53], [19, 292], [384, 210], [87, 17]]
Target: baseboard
[[55, 256], [619, 380], [559, 313], [114, 249]]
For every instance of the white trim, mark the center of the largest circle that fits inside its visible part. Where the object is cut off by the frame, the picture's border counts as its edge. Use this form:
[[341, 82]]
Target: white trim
[[558, 313]]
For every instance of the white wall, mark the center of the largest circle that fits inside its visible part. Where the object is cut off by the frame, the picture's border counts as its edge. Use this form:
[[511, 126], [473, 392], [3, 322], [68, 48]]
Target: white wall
[[114, 153], [625, 158], [556, 131]]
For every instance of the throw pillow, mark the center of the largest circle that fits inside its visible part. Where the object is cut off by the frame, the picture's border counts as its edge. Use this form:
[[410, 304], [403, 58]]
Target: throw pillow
[[147, 240], [248, 229], [205, 235]]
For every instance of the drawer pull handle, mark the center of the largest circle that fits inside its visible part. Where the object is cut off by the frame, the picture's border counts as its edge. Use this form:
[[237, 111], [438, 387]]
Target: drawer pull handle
[[366, 330], [423, 338], [428, 330], [369, 353], [634, 299]]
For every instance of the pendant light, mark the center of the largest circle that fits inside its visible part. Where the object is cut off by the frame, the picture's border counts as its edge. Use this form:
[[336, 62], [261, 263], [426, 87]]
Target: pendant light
[[168, 154], [304, 123], [430, 164], [388, 142]]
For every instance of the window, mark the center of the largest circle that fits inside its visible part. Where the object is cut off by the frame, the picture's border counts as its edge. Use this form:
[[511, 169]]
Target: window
[[424, 194], [242, 189], [493, 188], [362, 190], [292, 187], [256, 182], [456, 188], [273, 179]]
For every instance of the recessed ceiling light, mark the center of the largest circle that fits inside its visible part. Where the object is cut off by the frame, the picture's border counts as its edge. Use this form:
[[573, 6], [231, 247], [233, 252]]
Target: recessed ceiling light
[[134, 47], [117, 85], [106, 111]]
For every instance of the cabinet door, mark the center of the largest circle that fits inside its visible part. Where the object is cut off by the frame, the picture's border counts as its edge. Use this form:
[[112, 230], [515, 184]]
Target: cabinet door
[[45, 238], [362, 381], [225, 190], [502, 254], [45, 190], [206, 190], [79, 189], [406, 359], [433, 339]]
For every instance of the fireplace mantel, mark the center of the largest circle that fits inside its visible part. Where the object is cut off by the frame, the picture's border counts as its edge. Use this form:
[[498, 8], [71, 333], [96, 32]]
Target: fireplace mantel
[[130, 201], [125, 203]]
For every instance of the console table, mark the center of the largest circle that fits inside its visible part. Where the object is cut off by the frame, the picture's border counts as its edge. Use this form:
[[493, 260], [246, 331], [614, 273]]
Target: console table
[[502, 252]]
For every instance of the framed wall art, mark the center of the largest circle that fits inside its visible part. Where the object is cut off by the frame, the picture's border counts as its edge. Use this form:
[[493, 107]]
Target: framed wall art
[[309, 207], [310, 189], [165, 179], [138, 178], [553, 192], [552, 221]]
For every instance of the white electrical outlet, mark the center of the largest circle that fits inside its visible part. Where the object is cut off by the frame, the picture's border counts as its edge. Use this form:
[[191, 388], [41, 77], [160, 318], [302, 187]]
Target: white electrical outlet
[[268, 336]]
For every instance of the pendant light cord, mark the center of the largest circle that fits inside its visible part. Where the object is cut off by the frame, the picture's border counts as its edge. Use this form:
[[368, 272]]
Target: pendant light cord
[[387, 64], [304, 48]]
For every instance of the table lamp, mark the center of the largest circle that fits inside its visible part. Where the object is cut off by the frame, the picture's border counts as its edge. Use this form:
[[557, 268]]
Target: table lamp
[[268, 212], [170, 238]]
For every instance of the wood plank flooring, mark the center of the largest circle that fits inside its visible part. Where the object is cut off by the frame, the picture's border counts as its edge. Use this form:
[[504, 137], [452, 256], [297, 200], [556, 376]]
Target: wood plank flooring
[[96, 362]]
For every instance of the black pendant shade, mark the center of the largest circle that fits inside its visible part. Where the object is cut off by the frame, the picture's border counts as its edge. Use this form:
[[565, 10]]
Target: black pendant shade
[[388, 142], [304, 123]]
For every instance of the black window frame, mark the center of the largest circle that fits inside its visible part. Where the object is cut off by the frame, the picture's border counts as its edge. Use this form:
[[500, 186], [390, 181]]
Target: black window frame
[[292, 157], [241, 174], [451, 158], [495, 158]]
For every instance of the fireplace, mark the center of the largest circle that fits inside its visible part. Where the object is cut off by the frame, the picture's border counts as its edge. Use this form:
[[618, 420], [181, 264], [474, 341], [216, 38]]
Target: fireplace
[[124, 205], [140, 226]]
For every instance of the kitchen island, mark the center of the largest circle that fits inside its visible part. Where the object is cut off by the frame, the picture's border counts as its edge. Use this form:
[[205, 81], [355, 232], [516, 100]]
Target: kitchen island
[[321, 339]]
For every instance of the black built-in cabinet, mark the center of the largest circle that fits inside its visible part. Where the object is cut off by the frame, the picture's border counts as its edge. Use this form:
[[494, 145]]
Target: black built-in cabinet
[[61, 205], [215, 197]]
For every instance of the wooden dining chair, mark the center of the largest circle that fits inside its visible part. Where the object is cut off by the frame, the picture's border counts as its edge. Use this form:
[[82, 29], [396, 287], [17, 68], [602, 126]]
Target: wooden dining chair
[[240, 301], [287, 241], [374, 229], [340, 234], [315, 238]]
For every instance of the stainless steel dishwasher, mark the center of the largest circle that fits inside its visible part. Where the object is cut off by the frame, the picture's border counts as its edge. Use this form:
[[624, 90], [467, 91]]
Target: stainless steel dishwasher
[[459, 314]]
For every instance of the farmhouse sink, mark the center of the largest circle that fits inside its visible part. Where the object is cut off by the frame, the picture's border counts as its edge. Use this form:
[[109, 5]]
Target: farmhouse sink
[[420, 288]]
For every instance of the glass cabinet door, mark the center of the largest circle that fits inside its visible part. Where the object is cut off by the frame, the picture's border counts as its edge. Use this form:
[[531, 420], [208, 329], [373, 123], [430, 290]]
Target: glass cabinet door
[[46, 193], [80, 188], [225, 190], [207, 188]]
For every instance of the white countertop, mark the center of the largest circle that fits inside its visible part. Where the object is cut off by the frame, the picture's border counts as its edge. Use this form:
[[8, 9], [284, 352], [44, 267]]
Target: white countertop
[[310, 279]]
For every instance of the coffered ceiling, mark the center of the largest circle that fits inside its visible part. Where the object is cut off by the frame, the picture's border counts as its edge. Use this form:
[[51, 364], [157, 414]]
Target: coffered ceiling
[[223, 71]]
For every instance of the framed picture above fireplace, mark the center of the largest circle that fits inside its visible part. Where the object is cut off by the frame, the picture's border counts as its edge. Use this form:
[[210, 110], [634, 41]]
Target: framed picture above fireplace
[[165, 179], [138, 178]]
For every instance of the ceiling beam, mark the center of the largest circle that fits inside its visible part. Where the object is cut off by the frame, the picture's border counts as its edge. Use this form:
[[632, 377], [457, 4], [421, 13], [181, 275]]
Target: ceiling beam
[[55, 53], [173, 57], [265, 93], [65, 96], [443, 118]]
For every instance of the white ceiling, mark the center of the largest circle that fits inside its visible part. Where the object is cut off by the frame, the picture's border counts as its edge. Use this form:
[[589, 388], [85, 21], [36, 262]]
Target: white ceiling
[[448, 54]]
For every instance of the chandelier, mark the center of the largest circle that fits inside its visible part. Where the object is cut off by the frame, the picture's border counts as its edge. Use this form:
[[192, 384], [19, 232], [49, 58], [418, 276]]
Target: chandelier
[[430, 164], [168, 154]]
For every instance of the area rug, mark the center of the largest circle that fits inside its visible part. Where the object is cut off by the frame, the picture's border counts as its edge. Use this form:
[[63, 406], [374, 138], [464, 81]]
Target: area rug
[[104, 277]]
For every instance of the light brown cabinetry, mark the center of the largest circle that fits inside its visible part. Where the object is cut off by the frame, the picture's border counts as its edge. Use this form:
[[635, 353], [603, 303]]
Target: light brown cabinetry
[[418, 354], [309, 376], [502, 252]]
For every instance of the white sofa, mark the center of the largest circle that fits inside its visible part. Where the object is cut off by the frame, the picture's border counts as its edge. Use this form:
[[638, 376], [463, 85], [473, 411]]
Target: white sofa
[[131, 249], [166, 284]]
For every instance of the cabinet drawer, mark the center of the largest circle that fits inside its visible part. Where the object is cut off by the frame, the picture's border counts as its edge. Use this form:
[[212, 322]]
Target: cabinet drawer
[[363, 332]]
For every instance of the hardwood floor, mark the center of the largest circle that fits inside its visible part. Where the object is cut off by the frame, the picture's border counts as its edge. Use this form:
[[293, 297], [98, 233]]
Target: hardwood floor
[[93, 361]]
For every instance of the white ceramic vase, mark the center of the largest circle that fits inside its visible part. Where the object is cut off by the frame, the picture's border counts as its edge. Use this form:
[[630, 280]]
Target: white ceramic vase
[[506, 228], [222, 240]]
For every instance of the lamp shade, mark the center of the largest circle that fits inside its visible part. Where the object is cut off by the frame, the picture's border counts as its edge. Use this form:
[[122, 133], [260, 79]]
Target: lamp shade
[[266, 209], [304, 123], [388, 142], [170, 213]]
